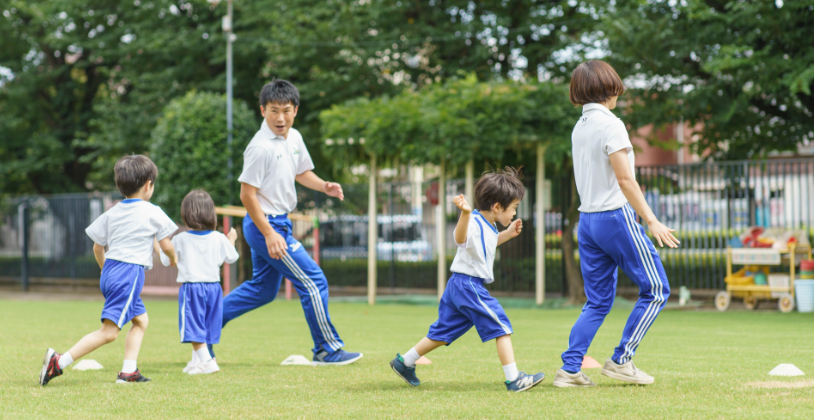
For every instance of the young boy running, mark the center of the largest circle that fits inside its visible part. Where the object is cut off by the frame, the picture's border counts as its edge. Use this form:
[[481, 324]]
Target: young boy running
[[609, 236], [129, 230], [466, 302], [274, 159]]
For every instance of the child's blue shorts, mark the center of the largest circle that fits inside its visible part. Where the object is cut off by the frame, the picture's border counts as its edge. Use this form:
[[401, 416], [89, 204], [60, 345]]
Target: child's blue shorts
[[466, 303], [200, 312], [121, 284]]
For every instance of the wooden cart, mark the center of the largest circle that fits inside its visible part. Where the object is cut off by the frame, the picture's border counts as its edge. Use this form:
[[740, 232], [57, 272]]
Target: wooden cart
[[741, 286]]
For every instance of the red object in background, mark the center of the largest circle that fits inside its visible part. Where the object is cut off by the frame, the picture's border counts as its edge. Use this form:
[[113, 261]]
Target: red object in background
[[750, 241], [432, 193], [807, 265]]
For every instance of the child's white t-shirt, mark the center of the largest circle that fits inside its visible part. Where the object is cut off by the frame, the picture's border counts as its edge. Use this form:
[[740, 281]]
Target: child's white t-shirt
[[128, 229], [270, 164], [597, 135], [200, 254], [476, 257]]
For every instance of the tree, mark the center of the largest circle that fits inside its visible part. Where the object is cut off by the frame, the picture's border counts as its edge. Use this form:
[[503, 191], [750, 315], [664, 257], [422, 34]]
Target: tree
[[189, 147], [741, 72]]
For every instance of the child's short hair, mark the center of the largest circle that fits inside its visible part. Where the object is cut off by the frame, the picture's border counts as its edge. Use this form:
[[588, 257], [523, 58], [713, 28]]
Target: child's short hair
[[594, 81], [499, 187], [281, 92], [132, 172], [198, 211]]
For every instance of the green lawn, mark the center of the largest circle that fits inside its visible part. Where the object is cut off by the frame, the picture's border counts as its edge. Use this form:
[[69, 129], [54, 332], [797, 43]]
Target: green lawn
[[703, 363]]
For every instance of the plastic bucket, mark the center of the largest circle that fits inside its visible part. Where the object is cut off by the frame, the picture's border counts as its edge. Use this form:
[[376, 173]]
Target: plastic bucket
[[807, 265], [804, 290]]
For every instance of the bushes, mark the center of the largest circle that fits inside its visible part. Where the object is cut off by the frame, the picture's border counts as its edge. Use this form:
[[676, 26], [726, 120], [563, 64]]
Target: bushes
[[189, 147]]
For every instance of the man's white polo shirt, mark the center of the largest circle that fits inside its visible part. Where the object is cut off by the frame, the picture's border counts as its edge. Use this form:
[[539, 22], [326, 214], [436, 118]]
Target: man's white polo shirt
[[597, 135], [270, 164]]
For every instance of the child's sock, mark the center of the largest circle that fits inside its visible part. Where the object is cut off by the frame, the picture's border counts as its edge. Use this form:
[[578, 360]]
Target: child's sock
[[129, 366], [511, 371], [65, 360], [203, 354], [195, 359], [410, 357]]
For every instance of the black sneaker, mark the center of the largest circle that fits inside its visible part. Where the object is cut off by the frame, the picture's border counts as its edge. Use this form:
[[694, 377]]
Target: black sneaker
[[131, 377], [50, 367], [404, 372]]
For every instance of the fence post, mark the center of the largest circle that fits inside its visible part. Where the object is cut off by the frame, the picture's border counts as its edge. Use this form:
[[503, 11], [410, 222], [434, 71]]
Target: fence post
[[539, 284], [25, 222], [392, 239], [372, 234], [441, 228]]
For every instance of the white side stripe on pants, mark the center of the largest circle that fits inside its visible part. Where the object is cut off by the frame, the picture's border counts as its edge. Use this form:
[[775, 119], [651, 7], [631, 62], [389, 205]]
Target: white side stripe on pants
[[127, 305], [655, 283], [658, 292], [322, 319], [184, 314]]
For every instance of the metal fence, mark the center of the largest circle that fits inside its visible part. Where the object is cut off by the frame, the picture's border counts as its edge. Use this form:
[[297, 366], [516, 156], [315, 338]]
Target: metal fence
[[707, 203]]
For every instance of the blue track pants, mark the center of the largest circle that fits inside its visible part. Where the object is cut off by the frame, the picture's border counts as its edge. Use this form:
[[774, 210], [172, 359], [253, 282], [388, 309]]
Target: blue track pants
[[297, 266], [607, 241]]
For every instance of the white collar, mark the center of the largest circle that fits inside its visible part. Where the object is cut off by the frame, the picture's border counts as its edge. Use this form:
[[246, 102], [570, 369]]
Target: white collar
[[264, 127], [589, 107]]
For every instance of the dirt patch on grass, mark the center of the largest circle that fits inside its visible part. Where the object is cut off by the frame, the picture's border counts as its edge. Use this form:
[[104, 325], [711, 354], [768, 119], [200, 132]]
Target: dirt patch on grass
[[781, 384]]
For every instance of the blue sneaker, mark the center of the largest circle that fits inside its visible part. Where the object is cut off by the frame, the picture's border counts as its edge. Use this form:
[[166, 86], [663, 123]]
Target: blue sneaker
[[525, 381], [337, 358], [404, 372]]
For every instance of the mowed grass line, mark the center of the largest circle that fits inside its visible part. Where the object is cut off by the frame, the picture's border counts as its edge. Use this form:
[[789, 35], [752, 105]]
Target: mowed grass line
[[702, 362]]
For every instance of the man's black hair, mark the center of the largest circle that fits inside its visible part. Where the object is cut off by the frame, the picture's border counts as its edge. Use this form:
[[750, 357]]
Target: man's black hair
[[280, 92]]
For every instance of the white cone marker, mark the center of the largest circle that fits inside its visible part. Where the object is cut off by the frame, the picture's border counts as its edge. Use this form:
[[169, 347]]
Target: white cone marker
[[786, 369]]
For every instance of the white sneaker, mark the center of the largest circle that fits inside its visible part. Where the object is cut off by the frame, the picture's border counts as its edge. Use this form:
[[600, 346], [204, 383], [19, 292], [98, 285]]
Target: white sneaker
[[190, 365], [626, 372], [564, 379], [205, 367]]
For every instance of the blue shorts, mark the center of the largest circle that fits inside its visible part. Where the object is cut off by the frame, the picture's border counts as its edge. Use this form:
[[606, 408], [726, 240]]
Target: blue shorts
[[466, 303], [121, 284], [200, 312]]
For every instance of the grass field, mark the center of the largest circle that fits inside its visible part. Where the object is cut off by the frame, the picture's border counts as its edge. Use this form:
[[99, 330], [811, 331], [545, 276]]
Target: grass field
[[706, 364]]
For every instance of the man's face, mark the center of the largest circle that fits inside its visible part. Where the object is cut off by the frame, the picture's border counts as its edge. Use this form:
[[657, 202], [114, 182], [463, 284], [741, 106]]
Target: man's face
[[279, 117]]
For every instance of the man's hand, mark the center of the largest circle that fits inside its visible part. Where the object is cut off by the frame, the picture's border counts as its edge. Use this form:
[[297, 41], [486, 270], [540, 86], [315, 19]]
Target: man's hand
[[515, 228], [276, 245], [663, 234], [334, 190], [462, 204]]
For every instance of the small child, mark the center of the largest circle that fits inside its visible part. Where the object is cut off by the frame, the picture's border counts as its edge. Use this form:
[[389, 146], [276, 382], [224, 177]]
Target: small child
[[201, 251], [129, 230], [466, 302]]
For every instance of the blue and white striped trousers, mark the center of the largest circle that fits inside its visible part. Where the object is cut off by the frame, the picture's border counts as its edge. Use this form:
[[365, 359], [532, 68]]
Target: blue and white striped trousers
[[297, 266], [608, 240]]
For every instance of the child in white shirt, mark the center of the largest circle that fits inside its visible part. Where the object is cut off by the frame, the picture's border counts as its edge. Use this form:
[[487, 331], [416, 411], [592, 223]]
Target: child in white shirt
[[201, 251]]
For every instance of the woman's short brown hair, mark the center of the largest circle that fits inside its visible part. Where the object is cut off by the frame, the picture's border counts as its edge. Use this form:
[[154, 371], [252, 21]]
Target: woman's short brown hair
[[198, 211], [132, 172], [499, 187], [594, 81]]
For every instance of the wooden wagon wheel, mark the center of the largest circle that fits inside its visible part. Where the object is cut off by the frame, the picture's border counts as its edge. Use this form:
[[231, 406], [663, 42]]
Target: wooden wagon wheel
[[785, 303], [722, 300]]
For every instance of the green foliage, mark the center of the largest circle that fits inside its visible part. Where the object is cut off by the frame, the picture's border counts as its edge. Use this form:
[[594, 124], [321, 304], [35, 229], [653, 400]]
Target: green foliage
[[189, 146], [741, 72], [457, 121], [89, 79]]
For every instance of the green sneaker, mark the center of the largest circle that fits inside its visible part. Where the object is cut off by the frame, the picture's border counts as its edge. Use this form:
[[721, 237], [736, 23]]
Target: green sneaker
[[404, 372]]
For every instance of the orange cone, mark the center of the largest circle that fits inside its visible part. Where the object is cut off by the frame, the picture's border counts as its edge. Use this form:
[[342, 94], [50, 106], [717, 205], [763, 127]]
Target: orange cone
[[424, 361], [589, 362]]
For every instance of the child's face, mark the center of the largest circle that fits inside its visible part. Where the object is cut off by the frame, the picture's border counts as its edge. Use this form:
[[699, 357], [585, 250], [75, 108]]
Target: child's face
[[279, 117], [505, 216]]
